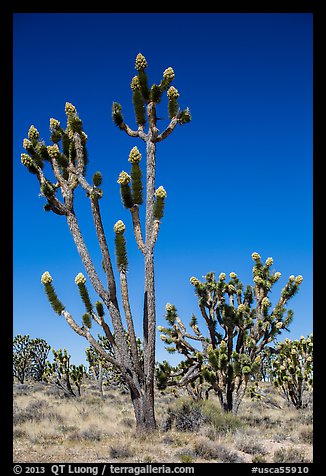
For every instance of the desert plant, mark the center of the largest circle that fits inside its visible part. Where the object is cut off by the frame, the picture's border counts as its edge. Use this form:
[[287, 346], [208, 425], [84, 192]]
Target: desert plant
[[240, 324], [292, 369], [68, 165], [29, 357], [59, 372]]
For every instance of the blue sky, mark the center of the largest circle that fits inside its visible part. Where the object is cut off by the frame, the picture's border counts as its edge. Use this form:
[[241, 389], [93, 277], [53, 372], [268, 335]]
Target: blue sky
[[238, 177]]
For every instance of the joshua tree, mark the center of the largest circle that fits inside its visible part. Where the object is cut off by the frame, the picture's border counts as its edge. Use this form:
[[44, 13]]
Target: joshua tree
[[69, 168], [291, 369], [240, 322], [29, 357], [39, 353], [59, 372], [21, 357]]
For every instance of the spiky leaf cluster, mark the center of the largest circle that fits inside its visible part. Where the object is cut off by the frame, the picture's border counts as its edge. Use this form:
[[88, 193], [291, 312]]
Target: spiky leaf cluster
[[60, 154], [143, 94]]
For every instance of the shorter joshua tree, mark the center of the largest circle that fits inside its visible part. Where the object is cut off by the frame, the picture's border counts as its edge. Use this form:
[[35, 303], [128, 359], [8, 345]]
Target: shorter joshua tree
[[60, 373], [98, 368], [21, 357], [291, 369], [240, 322], [29, 357]]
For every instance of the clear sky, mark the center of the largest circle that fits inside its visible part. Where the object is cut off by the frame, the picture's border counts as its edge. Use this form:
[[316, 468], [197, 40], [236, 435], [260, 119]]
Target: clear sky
[[238, 177]]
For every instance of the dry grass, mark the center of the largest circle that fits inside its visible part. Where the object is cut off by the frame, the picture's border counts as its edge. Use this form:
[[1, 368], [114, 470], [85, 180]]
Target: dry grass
[[51, 428]]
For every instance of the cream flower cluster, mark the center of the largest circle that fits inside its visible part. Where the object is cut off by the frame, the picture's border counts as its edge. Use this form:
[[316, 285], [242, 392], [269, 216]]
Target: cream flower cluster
[[135, 83], [134, 156], [54, 124], [26, 160], [194, 281], [222, 277], [33, 133], [140, 62], [160, 192], [255, 256], [53, 151], [241, 308], [168, 74], [80, 279], [168, 307], [265, 302], [173, 93], [233, 275], [70, 108], [279, 325], [269, 261], [27, 144], [124, 178], [119, 227], [298, 279], [258, 280], [277, 275], [46, 278]]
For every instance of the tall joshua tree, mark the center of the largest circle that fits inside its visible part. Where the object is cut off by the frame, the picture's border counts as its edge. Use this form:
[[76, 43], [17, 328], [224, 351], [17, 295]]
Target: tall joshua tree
[[68, 165]]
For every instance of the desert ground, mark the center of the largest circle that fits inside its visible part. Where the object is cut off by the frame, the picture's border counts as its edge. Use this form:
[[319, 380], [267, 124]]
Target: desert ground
[[49, 427]]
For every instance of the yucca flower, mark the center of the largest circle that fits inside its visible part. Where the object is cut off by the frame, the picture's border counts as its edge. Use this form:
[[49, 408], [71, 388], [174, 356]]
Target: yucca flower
[[46, 278], [54, 124], [80, 279], [173, 93], [124, 178], [134, 156], [194, 281], [119, 227], [135, 83], [140, 62], [255, 256], [168, 74], [269, 261], [33, 133], [53, 151], [26, 160], [265, 302], [222, 277], [160, 192], [70, 108], [299, 279], [27, 144]]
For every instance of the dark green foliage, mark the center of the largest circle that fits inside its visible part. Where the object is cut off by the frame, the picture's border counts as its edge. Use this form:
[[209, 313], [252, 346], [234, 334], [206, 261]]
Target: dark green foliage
[[159, 208], [117, 114], [184, 117], [139, 107], [99, 308], [87, 320], [156, 93], [173, 107], [121, 252], [85, 297], [56, 304], [48, 189], [97, 179], [143, 83], [126, 196], [136, 184]]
